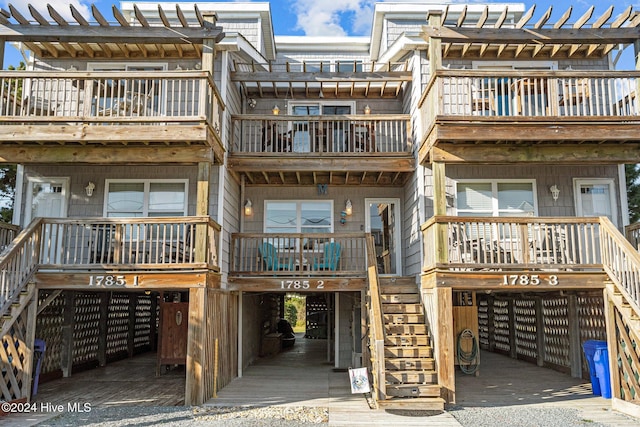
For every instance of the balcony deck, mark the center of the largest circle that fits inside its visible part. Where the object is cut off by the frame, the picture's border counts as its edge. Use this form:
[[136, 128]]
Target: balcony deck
[[73, 116], [513, 254], [116, 254], [298, 262], [541, 116], [309, 150]]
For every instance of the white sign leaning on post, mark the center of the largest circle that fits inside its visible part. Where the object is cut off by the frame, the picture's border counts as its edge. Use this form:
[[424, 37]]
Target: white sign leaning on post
[[359, 380]]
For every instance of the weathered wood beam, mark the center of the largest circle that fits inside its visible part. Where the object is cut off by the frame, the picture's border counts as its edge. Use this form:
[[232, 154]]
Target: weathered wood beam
[[552, 154], [493, 281], [267, 284], [529, 35], [110, 34], [320, 77], [104, 154], [334, 164]]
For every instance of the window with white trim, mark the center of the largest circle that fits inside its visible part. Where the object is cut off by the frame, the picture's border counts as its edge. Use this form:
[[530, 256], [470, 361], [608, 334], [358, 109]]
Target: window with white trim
[[496, 198], [298, 216], [145, 198]]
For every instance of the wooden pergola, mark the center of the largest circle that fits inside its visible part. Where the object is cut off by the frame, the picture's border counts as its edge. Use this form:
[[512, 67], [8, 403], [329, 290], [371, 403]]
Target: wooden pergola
[[527, 39], [168, 36]]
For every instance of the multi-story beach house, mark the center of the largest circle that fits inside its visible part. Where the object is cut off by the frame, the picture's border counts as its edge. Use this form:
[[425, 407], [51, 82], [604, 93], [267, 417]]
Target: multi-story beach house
[[455, 177]]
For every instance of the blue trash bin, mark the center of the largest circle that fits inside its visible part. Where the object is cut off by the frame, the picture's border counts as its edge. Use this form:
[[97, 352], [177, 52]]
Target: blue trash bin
[[39, 347], [597, 357]]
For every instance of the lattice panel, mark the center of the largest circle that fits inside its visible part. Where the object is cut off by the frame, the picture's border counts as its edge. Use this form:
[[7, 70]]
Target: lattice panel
[[142, 326], [501, 324], [628, 359], [525, 326], [556, 331], [591, 318], [86, 327], [118, 324], [49, 329], [483, 324], [13, 354]]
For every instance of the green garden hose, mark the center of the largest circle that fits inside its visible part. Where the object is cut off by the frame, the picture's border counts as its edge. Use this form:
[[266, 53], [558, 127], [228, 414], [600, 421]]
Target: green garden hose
[[467, 360]]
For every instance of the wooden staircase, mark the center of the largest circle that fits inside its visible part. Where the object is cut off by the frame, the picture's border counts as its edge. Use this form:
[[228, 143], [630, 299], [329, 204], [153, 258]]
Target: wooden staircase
[[410, 375]]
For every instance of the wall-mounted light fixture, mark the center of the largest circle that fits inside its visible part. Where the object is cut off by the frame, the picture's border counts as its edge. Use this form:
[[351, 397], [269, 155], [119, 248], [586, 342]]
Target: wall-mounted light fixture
[[89, 188], [248, 208], [367, 109], [348, 208], [555, 192], [275, 110], [252, 103]]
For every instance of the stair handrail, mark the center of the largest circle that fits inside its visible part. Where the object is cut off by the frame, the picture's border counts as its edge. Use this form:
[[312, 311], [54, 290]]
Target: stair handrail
[[18, 263], [621, 262], [376, 329]]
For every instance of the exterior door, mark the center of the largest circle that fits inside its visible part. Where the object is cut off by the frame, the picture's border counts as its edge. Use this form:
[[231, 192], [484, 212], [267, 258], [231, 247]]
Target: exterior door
[[46, 197], [595, 197], [383, 222]]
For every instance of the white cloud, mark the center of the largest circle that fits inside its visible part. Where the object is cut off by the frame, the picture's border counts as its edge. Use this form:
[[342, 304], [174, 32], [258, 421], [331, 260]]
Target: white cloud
[[61, 6], [323, 17]]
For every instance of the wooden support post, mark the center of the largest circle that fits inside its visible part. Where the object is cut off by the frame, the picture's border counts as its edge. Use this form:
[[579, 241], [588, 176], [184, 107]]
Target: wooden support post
[[575, 348], [513, 348], [434, 19], [440, 208], [133, 302], [103, 327], [446, 348], [194, 389], [68, 323], [27, 364], [202, 209], [2, 43], [153, 319], [540, 350], [612, 344]]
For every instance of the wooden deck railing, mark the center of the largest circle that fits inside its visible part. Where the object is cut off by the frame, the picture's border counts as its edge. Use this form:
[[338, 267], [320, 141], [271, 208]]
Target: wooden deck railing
[[110, 97], [553, 94], [376, 328], [18, 263], [321, 134], [8, 232], [632, 233], [473, 243], [298, 254], [129, 243]]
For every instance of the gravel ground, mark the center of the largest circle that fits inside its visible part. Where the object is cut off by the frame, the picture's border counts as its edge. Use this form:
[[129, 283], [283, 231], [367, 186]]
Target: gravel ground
[[521, 416], [187, 417]]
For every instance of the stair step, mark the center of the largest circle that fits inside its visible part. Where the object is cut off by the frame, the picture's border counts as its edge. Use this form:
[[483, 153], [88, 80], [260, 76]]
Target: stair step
[[405, 364], [404, 340], [411, 377], [402, 308], [400, 298], [413, 403], [394, 329], [404, 280], [408, 351], [403, 318], [398, 289], [413, 390]]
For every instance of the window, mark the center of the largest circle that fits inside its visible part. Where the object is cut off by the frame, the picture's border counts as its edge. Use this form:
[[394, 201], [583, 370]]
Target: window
[[298, 217], [149, 198], [496, 198]]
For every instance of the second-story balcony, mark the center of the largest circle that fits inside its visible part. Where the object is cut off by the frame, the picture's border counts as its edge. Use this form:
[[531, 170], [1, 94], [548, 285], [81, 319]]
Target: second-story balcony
[[340, 149], [139, 110], [461, 108]]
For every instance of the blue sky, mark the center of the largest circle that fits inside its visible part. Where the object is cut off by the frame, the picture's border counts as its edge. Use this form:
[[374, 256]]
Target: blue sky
[[329, 17]]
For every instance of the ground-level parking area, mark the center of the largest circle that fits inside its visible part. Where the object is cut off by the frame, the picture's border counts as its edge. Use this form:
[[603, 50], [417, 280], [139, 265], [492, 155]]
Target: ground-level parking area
[[506, 392]]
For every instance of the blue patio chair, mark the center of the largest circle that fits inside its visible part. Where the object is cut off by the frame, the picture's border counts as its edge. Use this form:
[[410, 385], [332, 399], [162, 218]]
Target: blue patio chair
[[330, 257], [271, 260]]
